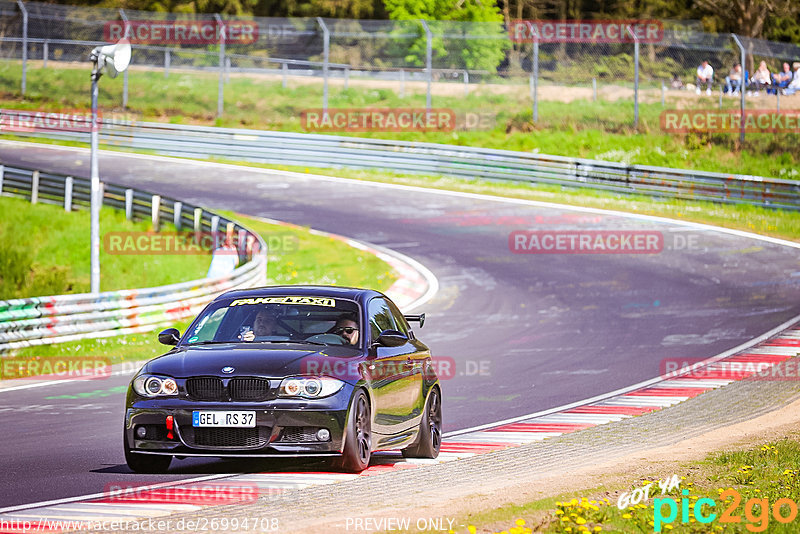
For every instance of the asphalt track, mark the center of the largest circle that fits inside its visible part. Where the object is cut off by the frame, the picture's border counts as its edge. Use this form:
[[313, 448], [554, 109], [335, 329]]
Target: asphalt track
[[527, 332]]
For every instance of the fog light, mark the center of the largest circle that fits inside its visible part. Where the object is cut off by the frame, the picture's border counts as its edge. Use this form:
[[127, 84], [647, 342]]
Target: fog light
[[323, 434], [141, 432]]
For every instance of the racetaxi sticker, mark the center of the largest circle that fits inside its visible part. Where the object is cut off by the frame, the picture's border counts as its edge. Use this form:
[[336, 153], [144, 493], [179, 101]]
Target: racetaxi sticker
[[310, 301]]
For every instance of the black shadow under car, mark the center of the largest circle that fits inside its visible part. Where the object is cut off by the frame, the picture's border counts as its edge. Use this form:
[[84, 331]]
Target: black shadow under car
[[287, 371]]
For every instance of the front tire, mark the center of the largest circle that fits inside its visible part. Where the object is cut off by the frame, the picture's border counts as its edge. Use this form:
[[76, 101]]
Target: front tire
[[358, 438], [145, 463], [429, 438]]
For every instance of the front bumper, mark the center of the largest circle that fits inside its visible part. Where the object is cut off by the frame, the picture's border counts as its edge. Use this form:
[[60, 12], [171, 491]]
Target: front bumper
[[283, 427]]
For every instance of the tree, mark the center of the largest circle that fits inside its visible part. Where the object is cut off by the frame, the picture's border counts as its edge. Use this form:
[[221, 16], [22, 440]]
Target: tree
[[747, 17], [469, 34]]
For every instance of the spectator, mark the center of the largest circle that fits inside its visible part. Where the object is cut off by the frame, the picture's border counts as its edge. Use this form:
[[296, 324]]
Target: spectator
[[782, 79], [705, 75], [733, 81], [676, 82], [794, 85], [762, 79]]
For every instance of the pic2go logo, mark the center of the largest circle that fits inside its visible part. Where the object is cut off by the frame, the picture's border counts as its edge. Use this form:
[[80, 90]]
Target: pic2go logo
[[756, 511]]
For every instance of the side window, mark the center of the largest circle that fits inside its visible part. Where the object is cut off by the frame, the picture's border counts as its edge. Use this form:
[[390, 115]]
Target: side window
[[207, 329], [380, 317], [399, 320]]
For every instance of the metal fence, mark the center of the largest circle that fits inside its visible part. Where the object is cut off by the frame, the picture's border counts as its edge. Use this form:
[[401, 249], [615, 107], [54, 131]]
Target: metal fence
[[409, 56], [327, 151], [54, 319]]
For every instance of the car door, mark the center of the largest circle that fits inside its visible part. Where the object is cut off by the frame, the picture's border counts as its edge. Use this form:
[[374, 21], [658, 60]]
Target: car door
[[391, 374], [418, 356]]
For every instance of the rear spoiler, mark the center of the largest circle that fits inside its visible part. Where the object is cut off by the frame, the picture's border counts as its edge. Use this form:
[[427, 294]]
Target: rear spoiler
[[416, 318]]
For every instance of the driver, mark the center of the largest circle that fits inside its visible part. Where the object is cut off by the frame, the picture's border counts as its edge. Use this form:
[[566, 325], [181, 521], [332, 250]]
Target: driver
[[347, 328]]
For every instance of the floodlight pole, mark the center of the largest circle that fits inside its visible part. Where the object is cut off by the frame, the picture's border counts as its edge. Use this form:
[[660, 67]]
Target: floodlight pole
[[24, 44], [635, 76], [742, 85], [126, 35], [221, 83], [428, 62], [95, 183]]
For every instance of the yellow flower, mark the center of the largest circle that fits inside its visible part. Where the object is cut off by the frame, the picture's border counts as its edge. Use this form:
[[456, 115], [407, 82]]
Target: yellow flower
[[598, 528], [559, 512], [626, 516], [580, 521], [472, 529], [520, 522]]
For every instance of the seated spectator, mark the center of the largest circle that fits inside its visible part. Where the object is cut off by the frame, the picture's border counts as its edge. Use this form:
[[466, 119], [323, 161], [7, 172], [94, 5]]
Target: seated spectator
[[733, 81], [794, 85], [705, 75], [762, 79], [782, 79], [676, 82]]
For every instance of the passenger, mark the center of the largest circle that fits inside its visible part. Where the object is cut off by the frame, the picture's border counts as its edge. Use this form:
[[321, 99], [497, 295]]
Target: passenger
[[264, 325]]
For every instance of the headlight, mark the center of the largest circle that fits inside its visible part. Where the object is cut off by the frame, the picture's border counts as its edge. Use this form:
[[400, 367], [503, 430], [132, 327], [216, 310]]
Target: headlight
[[155, 386], [309, 387]]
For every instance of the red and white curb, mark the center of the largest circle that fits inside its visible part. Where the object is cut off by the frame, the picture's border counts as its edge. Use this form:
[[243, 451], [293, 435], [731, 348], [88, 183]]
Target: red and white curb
[[144, 503]]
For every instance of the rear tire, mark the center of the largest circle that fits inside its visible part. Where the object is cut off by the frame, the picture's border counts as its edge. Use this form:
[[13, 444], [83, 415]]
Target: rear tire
[[145, 463], [358, 438], [429, 438]]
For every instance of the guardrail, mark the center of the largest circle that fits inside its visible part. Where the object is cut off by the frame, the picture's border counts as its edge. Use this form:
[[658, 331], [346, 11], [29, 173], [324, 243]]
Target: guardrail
[[54, 319], [329, 151]]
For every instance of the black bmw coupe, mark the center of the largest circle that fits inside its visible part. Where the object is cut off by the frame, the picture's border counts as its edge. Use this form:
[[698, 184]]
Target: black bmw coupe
[[287, 371]]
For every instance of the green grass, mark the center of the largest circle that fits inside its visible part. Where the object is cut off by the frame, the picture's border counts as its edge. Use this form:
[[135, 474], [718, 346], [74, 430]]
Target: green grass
[[582, 128], [765, 474], [45, 251], [296, 257]]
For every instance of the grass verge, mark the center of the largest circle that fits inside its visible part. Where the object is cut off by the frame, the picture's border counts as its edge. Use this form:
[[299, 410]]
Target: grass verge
[[296, 257], [580, 128], [753, 489], [45, 251]]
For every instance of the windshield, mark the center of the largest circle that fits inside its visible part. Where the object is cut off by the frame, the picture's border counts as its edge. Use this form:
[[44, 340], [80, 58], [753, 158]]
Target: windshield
[[278, 319]]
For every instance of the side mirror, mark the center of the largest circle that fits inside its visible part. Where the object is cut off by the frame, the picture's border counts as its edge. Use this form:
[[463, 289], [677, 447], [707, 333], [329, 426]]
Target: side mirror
[[392, 338], [170, 336], [418, 318]]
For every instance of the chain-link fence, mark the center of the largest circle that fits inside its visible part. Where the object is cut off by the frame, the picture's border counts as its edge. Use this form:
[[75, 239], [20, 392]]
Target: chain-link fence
[[440, 60]]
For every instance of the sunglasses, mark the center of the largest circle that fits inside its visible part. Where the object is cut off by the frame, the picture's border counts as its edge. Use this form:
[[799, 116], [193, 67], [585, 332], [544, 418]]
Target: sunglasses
[[345, 330]]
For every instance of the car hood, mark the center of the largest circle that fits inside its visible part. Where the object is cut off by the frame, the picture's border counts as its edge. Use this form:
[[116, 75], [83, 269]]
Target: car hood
[[264, 360]]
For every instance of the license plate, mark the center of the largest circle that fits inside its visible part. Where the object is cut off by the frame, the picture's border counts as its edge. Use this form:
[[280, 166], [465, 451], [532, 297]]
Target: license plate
[[224, 419]]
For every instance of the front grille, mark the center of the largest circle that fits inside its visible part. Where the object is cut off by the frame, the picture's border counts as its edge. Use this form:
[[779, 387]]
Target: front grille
[[229, 437], [205, 389], [298, 434], [248, 389]]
